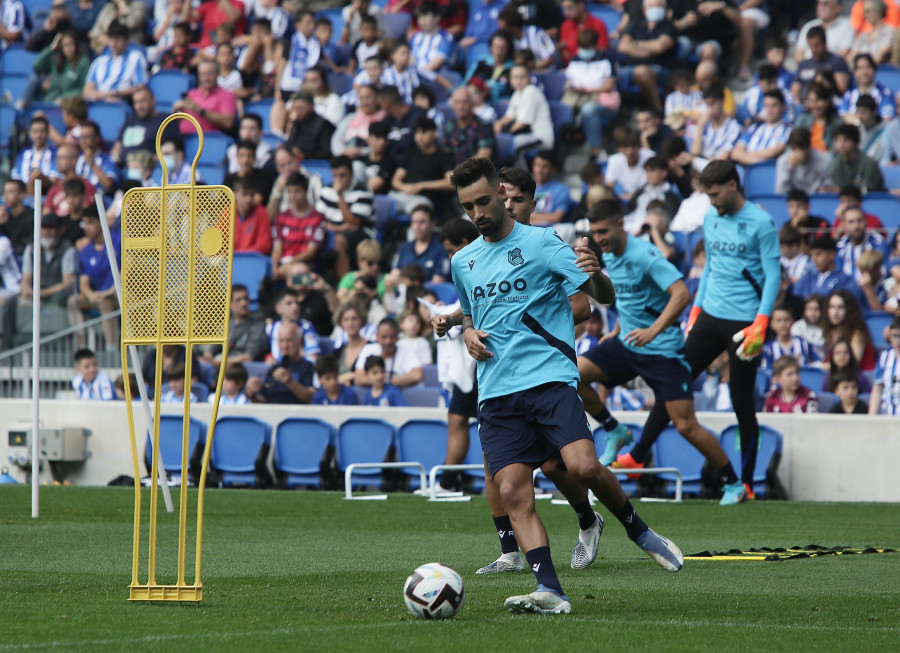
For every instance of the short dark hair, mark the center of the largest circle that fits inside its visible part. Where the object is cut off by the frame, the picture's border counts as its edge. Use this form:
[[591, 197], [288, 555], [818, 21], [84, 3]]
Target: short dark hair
[[341, 161], [610, 209], [850, 132], [768, 72], [73, 187], [177, 142], [184, 28], [117, 30], [236, 372], [788, 235], [816, 32], [19, 184], [39, 119], [423, 91], [656, 163], [715, 91], [471, 170], [243, 183], [775, 94], [519, 178], [247, 144], [868, 102], [390, 95], [372, 362], [379, 129], [414, 273], [851, 190], [388, 321], [424, 124], [785, 363], [672, 146], [588, 171], [511, 16], [285, 292], [298, 179], [719, 173], [428, 8], [368, 19], [239, 287], [300, 15], [798, 195], [842, 376], [327, 364], [549, 156], [255, 118], [321, 20], [423, 207], [83, 354], [824, 242], [626, 136], [800, 137], [864, 56], [457, 230]]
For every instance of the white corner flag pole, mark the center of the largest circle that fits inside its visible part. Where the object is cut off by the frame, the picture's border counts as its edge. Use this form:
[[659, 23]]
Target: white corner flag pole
[[132, 350], [36, 351]]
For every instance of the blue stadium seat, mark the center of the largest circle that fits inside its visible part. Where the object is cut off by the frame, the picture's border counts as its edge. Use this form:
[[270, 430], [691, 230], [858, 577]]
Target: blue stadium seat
[[35, 7], [52, 113], [877, 321], [770, 442], [13, 84], [340, 83], [17, 60], [609, 15], [826, 401], [885, 207], [891, 175], [385, 209], [823, 205], [207, 374], [775, 204], [889, 76], [430, 375], [474, 457], [475, 52], [559, 113], [8, 115], [505, 148], [212, 173], [110, 116], [238, 442], [215, 145], [169, 85], [396, 24], [300, 444], [362, 440], [446, 292], [672, 450], [423, 441], [326, 346], [255, 368], [554, 83], [263, 109], [321, 167], [760, 179], [813, 377], [273, 140], [423, 397], [250, 268], [337, 22], [171, 440]]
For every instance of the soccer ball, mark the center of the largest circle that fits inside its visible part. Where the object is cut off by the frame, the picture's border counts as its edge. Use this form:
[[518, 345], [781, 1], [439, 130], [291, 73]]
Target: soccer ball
[[434, 591]]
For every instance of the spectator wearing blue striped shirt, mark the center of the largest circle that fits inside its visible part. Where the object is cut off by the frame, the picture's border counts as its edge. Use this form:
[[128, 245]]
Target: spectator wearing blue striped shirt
[[864, 75], [886, 387], [94, 164], [39, 160], [766, 140], [12, 22], [528, 37], [717, 132], [431, 47], [118, 73], [89, 382], [400, 73]]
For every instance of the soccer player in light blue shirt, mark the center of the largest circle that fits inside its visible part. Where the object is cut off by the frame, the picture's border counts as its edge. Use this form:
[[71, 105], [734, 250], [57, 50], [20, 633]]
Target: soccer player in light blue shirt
[[650, 295], [731, 310], [518, 326]]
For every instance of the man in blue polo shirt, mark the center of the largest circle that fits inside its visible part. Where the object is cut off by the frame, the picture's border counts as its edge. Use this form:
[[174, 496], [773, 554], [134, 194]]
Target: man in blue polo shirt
[[290, 380], [96, 290], [425, 250]]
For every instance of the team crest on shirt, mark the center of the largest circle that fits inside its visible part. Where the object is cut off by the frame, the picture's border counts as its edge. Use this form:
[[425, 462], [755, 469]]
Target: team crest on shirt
[[742, 228], [515, 256], [629, 269]]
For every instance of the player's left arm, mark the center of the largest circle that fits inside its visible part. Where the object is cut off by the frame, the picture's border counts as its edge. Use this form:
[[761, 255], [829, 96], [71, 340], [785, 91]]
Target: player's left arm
[[679, 298], [599, 285]]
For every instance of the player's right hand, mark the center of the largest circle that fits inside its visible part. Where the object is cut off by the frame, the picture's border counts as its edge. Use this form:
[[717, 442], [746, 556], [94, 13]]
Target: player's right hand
[[474, 345], [692, 317], [439, 325]]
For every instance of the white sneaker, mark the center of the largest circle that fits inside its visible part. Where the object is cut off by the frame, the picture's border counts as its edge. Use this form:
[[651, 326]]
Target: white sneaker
[[665, 553], [585, 551], [506, 562], [539, 602]]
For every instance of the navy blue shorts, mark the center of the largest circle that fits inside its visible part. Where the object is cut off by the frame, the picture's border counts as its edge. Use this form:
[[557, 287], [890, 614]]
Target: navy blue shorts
[[464, 403], [530, 426], [669, 378]]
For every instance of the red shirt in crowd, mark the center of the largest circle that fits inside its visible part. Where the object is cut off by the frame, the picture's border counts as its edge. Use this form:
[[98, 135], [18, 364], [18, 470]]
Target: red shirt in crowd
[[212, 15], [568, 34], [253, 233], [297, 234], [805, 401], [56, 200]]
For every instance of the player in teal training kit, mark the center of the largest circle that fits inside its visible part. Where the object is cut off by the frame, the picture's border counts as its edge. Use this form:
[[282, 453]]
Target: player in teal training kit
[[731, 310], [647, 341], [518, 326]]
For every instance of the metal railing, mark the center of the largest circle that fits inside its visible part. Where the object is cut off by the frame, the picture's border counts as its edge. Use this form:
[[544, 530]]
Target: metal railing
[[57, 352]]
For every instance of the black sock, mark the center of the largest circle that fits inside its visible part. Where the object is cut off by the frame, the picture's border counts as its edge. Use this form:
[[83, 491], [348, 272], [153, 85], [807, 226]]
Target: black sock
[[585, 514], [634, 525], [452, 480], [607, 421], [728, 474], [542, 565], [508, 542]]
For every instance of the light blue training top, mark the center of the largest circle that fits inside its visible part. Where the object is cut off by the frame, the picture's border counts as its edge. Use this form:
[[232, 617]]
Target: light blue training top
[[516, 290]]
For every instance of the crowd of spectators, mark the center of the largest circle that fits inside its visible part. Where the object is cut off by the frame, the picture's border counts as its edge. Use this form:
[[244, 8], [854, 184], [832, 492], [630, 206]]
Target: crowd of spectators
[[343, 133]]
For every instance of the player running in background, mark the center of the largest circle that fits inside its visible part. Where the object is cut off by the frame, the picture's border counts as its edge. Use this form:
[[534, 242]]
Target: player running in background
[[731, 311], [519, 203], [518, 326], [647, 341]]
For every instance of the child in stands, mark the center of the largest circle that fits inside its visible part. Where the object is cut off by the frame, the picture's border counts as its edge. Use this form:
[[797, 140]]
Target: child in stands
[[791, 396], [846, 388], [332, 392]]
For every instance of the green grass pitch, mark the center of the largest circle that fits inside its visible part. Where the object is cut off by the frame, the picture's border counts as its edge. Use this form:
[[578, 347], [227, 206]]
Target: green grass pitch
[[309, 571]]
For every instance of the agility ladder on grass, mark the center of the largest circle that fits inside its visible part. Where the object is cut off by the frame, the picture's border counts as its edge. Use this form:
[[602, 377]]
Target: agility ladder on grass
[[177, 251]]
